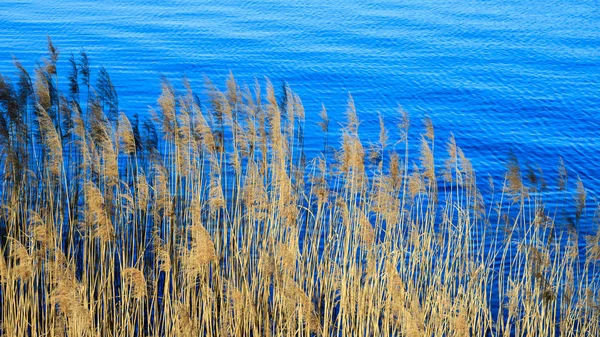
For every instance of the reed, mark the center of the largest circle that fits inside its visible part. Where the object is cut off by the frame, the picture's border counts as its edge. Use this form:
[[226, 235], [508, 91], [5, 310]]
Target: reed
[[210, 220]]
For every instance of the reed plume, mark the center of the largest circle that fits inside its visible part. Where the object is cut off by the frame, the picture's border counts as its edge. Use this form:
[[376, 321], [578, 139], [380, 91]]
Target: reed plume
[[134, 279], [201, 253]]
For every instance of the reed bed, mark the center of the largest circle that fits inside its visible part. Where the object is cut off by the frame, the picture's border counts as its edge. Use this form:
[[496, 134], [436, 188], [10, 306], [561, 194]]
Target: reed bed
[[209, 220]]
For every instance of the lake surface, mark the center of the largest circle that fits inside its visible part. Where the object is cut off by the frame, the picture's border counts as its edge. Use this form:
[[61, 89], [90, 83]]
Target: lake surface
[[500, 75]]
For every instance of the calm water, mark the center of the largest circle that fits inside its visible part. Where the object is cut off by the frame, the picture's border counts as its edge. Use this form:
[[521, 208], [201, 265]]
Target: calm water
[[521, 75]]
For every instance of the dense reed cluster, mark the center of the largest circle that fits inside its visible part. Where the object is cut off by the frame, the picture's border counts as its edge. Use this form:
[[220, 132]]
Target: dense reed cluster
[[208, 219]]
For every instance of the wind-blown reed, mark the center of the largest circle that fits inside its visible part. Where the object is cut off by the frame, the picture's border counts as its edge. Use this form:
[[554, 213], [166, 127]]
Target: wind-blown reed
[[209, 220]]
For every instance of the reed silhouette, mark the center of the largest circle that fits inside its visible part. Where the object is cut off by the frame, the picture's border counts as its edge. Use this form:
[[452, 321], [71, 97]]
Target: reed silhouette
[[209, 220]]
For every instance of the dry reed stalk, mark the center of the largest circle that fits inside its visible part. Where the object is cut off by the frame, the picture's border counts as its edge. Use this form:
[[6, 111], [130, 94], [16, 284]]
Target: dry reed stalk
[[240, 246]]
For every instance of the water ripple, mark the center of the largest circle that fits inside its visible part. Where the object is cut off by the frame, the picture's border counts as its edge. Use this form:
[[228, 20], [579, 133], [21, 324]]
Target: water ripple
[[501, 75]]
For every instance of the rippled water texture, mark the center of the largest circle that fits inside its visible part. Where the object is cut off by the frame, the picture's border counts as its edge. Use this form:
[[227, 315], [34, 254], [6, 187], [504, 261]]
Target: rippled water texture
[[500, 75]]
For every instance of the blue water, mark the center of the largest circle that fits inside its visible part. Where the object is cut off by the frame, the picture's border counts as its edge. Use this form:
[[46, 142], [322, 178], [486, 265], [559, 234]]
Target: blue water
[[501, 75]]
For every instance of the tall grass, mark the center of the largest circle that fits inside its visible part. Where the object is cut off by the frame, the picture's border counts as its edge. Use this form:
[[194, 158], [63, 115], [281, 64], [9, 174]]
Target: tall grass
[[209, 220]]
